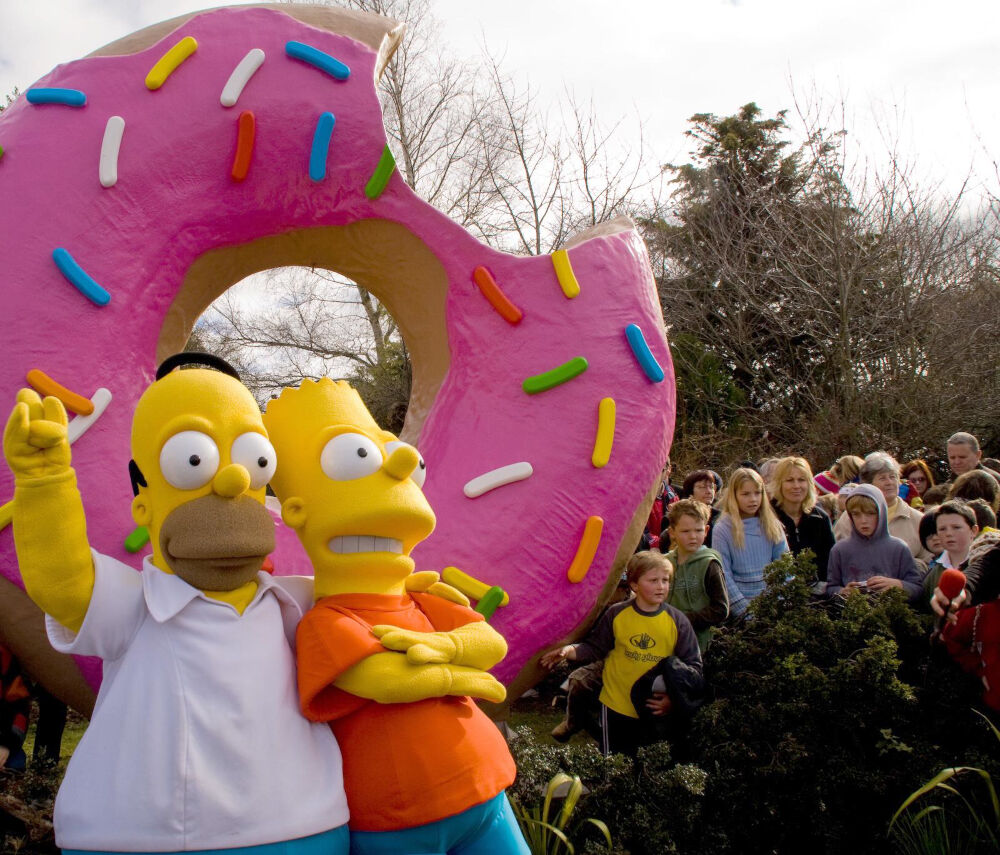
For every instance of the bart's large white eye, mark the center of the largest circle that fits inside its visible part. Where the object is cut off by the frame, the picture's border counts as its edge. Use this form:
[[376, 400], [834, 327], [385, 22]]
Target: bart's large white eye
[[255, 454], [349, 456], [189, 460], [419, 475]]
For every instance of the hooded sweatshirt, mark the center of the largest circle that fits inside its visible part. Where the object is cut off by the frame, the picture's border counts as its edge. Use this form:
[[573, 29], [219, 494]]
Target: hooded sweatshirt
[[858, 558]]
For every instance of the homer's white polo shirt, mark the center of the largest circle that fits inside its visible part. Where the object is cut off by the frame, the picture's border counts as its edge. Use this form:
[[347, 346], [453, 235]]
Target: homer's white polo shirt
[[197, 741]]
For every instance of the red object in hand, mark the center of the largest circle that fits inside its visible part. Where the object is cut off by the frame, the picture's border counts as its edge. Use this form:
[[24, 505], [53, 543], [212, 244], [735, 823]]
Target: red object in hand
[[952, 583]]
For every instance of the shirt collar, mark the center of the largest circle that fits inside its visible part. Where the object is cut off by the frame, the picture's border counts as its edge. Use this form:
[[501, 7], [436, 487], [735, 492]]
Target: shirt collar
[[167, 594]]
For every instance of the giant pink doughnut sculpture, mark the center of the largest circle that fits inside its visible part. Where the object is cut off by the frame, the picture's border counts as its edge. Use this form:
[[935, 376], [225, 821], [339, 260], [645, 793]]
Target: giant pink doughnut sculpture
[[123, 218]]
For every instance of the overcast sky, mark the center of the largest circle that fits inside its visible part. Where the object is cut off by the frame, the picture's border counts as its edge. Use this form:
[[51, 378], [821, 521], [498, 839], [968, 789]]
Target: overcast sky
[[928, 70]]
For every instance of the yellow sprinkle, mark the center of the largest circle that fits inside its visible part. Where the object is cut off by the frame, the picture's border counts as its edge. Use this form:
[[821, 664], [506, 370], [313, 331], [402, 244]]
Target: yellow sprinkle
[[6, 514], [468, 585], [168, 63], [605, 433], [564, 271], [586, 550]]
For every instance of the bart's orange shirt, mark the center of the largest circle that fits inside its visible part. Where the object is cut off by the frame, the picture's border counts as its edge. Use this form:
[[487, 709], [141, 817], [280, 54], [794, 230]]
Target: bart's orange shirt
[[404, 764]]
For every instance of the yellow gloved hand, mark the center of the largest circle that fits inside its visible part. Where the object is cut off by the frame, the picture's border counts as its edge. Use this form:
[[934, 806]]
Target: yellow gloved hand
[[429, 582], [389, 678], [50, 529], [476, 645], [35, 441]]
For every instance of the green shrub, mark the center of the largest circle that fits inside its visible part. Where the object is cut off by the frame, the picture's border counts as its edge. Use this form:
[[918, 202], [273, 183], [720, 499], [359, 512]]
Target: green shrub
[[827, 714]]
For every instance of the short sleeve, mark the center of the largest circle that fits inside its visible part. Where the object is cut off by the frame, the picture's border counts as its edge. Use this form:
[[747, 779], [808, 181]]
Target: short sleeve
[[116, 610], [328, 642]]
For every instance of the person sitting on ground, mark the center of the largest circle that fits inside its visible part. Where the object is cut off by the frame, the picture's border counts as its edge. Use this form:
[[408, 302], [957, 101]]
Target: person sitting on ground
[[748, 536], [844, 471], [640, 639], [955, 523], [698, 587], [964, 455], [806, 526], [882, 470], [870, 558], [15, 707], [917, 475], [976, 484]]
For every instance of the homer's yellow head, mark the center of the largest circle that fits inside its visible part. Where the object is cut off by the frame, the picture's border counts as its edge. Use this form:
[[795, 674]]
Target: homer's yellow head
[[350, 489], [200, 463]]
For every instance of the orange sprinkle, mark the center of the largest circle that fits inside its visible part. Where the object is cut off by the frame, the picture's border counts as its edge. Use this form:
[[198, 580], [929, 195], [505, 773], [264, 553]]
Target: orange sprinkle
[[244, 145], [586, 550], [45, 385], [498, 300]]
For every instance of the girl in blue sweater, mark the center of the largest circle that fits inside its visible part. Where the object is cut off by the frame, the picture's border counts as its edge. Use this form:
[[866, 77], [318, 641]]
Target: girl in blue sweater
[[748, 536]]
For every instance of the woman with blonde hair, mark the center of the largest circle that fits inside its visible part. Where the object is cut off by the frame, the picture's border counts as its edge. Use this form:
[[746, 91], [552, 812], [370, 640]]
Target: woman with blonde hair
[[793, 497], [748, 536]]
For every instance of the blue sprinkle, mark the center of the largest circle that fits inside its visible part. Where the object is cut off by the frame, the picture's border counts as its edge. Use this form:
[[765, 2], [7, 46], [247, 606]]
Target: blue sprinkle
[[75, 274], [314, 56], [642, 353], [320, 147], [69, 97]]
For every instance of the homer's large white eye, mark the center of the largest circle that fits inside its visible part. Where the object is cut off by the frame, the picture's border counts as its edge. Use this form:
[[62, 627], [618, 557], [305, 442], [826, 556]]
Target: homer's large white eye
[[255, 454], [419, 475], [189, 460], [350, 455]]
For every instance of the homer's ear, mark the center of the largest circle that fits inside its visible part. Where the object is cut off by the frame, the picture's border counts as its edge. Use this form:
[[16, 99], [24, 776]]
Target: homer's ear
[[142, 513], [293, 512]]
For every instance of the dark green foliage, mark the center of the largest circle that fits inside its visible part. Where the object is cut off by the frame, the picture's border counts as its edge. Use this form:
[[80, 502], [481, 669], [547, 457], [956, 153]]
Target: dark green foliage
[[827, 715], [651, 807]]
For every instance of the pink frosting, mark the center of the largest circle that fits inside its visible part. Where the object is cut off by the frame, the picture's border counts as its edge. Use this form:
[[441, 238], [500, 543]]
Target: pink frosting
[[175, 200]]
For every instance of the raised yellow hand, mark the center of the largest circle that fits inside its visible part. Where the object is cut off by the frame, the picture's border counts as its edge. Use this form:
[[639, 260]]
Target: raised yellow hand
[[35, 441]]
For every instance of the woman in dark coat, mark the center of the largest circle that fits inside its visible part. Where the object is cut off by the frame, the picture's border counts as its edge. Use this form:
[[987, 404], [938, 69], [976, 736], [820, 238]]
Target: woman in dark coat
[[806, 525]]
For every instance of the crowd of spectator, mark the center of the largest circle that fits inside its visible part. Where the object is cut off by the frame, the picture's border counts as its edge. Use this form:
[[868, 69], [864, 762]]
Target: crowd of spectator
[[871, 525]]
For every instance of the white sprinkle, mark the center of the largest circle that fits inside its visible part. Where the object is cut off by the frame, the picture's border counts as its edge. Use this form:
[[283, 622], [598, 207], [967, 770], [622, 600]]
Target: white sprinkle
[[108, 169], [497, 478], [80, 424], [241, 76]]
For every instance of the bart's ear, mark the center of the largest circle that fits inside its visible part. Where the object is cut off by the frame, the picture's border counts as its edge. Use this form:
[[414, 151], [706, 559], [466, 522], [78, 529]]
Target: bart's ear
[[142, 513], [293, 512]]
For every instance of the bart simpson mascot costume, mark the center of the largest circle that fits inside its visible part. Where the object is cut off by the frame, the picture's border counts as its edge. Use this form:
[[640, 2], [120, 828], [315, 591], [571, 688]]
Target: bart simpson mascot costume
[[424, 768], [196, 743]]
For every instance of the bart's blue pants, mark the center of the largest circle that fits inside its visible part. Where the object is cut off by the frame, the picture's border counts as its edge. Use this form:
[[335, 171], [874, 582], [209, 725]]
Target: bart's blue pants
[[332, 842], [486, 829]]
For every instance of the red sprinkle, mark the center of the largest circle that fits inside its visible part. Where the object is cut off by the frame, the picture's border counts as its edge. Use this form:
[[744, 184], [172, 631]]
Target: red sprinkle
[[244, 145], [498, 300]]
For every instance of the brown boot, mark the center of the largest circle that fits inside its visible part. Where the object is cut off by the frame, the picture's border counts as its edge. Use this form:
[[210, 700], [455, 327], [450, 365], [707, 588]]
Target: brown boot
[[563, 731]]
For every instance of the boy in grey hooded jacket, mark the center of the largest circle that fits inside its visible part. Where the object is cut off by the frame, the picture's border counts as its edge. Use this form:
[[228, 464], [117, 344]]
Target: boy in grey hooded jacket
[[875, 560]]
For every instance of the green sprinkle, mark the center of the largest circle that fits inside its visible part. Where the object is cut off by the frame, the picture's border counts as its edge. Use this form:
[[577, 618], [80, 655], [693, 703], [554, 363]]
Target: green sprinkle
[[1, 151], [381, 175], [490, 601], [137, 539], [557, 376]]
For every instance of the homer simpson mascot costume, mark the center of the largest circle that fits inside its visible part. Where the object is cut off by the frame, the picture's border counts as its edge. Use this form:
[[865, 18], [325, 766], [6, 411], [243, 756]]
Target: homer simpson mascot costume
[[196, 743], [424, 768]]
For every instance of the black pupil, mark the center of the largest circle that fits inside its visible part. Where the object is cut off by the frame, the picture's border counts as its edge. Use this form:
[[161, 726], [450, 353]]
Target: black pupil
[[194, 460], [262, 462], [423, 465], [362, 452]]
